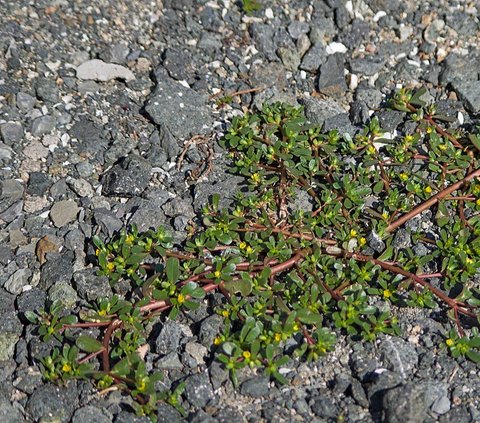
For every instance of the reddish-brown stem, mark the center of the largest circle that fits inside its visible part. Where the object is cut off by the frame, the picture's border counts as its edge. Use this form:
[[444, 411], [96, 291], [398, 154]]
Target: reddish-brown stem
[[431, 201], [442, 132], [90, 356]]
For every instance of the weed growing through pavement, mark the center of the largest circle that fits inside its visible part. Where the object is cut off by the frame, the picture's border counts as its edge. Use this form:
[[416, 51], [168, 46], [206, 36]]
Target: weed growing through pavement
[[293, 277]]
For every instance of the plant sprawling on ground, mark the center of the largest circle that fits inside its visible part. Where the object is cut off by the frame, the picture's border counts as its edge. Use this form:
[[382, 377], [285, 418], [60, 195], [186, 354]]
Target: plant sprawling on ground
[[294, 256]]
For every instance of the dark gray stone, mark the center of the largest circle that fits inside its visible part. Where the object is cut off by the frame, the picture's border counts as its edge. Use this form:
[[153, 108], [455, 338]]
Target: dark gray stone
[[331, 80], [91, 414], [289, 57], [262, 35], [89, 286], [390, 119], [46, 90], [168, 414], [11, 132], [317, 110], [411, 402], [314, 58], [255, 387], [38, 183], [460, 68], [209, 329], [178, 206], [356, 34], [147, 215], [107, 220], [25, 102], [33, 299], [296, 29], [17, 281], [163, 147], [57, 268], [64, 212], [9, 413], [402, 239], [53, 402], [168, 340], [178, 63], [324, 407], [367, 65], [116, 53], [43, 125], [198, 390], [399, 356], [129, 177], [469, 93], [91, 139], [226, 187], [178, 109]]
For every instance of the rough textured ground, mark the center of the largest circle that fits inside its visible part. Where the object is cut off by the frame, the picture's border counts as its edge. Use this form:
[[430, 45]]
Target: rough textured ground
[[88, 147]]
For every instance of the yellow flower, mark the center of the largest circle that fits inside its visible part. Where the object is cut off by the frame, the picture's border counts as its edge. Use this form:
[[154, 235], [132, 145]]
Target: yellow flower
[[111, 267], [450, 342], [217, 341], [429, 130], [428, 189], [243, 245], [66, 368], [102, 313], [225, 313], [97, 252], [296, 327], [255, 178], [385, 215], [371, 149], [129, 240], [246, 354], [278, 337], [353, 233], [409, 138], [362, 241], [217, 273], [249, 250], [403, 176], [181, 298], [468, 260], [387, 293], [443, 147], [478, 202]]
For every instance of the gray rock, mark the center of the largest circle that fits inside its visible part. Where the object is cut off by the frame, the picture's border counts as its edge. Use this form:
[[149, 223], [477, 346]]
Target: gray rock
[[25, 102], [209, 329], [43, 125], [98, 70], [356, 34], [390, 119], [402, 239], [198, 390], [296, 29], [80, 186], [47, 90], [314, 58], [168, 414], [289, 57], [86, 87], [38, 183], [126, 417], [197, 351], [411, 402], [11, 132], [178, 63], [177, 109], [53, 403], [33, 299], [129, 177], [116, 53], [375, 242], [370, 96], [107, 220], [11, 191], [148, 215], [7, 345], [367, 65], [168, 340], [89, 286], [6, 152], [331, 80], [64, 212], [9, 413], [469, 93], [12, 212], [441, 405], [178, 206], [17, 281], [169, 362], [27, 379], [460, 68], [64, 293], [262, 35], [323, 406], [91, 414], [226, 187], [317, 110], [90, 136], [163, 147], [57, 268], [255, 387], [399, 356]]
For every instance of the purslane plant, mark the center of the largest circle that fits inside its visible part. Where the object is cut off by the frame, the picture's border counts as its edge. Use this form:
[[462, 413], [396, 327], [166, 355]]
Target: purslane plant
[[307, 253]]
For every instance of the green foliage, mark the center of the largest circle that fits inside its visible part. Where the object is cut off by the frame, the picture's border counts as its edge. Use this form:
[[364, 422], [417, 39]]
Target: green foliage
[[251, 6], [293, 278]]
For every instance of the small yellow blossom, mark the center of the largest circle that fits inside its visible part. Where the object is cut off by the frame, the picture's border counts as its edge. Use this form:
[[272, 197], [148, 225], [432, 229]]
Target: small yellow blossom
[[111, 267], [353, 233], [225, 313], [428, 189], [243, 245], [278, 337], [468, 260], [97, 252], [385, 215], [129, 240], [450, 342], [217, 273], [66, 368], [249, 250], [443, 147], [409, 138], [429, 130], [255, 178], [403, 176], [387, 293], [246, 354], [181, 298], [102, 313], [296, 327], [362, 241], [371, 149], [217, 341], [478, 202]]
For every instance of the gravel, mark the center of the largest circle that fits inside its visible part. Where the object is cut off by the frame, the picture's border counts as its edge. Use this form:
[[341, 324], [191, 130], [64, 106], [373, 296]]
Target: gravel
[[96, 104]]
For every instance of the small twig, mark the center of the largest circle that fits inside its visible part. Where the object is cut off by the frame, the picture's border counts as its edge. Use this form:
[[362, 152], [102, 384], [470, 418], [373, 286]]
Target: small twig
[[237, 93], [431, 201]]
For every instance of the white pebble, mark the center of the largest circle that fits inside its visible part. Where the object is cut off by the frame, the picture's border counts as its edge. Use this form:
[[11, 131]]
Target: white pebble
[[334, 47], [269, 13]]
